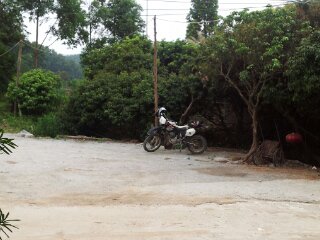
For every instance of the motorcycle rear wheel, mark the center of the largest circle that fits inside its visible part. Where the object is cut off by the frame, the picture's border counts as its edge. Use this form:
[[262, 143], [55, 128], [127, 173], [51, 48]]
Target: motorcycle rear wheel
[[197, 144], [152, 143]]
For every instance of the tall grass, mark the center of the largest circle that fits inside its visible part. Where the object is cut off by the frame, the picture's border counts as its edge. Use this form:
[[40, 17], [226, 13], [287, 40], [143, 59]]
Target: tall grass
[[48, 125]]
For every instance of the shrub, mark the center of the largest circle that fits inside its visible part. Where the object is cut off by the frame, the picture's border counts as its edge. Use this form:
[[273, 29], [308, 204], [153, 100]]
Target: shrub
[[111, 105], [37, 92], [48, 125]]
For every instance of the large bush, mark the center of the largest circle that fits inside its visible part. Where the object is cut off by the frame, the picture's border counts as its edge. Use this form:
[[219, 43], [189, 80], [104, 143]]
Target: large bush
[[37, 92], [111, 105]]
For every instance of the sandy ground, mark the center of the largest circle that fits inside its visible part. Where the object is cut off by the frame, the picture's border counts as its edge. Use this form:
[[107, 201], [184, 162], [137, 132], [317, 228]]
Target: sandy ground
[[77, 190]]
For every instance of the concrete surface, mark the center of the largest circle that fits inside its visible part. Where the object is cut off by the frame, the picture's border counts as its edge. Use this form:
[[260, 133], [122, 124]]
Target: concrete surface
[[76, 190]]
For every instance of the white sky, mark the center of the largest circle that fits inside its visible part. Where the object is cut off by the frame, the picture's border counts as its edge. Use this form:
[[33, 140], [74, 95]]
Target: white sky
[[171, 24]]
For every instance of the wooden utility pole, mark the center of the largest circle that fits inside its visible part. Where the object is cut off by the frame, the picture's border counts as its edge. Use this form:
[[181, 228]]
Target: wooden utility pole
[[147, 17], [155, 71], [36, 50], [18, 74]]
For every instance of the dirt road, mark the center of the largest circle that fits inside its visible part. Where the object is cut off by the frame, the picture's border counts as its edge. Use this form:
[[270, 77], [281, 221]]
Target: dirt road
[[76, 190]]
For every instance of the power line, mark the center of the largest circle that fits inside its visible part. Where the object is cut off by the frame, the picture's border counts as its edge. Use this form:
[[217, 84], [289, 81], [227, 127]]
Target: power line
[[221, 10], [164, 14], [166, 20], [29, 45], [224, 3], [227, 9], [10, 49]]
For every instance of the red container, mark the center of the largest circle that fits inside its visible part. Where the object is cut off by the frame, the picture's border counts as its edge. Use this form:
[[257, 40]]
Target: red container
[[294, 138]]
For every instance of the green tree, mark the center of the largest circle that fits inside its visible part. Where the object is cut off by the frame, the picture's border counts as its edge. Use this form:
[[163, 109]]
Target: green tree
[[37, 92], [116, 100], [68, 26], [114, 20], [115, 58], [202, 18], [304, 72], [309, 10], [250, 50], [10, 34], [298, 92], [179, 71]]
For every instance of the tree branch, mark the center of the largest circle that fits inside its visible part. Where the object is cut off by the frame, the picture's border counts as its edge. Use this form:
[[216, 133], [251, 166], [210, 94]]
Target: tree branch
[[232, 83]]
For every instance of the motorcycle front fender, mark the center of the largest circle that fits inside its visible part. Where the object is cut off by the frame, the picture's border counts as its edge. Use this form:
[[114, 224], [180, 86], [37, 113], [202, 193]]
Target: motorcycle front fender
[[154, 130]]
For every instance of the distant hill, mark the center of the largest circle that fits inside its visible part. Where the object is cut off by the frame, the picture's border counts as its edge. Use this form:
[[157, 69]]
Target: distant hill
[[73, 57], [68, 66]]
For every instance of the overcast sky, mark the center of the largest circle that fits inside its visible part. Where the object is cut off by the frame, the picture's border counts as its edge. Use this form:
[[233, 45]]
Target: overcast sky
[[171, 19]]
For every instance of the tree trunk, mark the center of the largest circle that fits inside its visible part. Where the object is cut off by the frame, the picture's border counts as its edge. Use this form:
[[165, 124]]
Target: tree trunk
[[187, 112], [255, 139]]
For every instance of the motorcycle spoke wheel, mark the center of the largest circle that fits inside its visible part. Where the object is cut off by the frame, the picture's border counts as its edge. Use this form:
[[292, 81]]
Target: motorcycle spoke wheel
[[152, 143], [197, 144]]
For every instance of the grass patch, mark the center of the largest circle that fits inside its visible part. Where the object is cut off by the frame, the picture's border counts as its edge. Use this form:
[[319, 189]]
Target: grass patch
[[12, 124]]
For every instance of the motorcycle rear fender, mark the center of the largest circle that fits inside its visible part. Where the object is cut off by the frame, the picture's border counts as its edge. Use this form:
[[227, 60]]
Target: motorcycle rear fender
[[190, 132]]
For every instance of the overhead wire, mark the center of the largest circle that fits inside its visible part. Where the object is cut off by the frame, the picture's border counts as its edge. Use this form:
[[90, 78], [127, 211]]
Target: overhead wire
[[166, 20], [227, 9], [13, 47], [223, 3], [231, 9]]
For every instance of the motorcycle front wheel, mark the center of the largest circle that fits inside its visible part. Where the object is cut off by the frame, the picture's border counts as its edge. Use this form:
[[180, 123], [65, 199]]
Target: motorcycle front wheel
[[152, 143], [197, 144]]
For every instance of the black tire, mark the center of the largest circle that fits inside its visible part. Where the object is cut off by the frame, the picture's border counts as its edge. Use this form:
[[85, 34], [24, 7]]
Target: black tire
[[153, 140], [197, 144]]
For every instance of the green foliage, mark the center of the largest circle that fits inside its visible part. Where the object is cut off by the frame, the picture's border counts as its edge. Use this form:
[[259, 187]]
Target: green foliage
[[251, 49], [71, 22], [117, 19], [36, 93], [13, 124], [129, 55], [6, 144], [6, 224], [309, 10], [68, 67], [10, 34], [48, 125], [304, 70], [176, 57], [70, 17], [117, 99], [202, 18], [118, 95], [111, 105]]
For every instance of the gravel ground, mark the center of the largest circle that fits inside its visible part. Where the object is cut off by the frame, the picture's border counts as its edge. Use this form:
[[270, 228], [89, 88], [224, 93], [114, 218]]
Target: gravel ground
[[77, 190]]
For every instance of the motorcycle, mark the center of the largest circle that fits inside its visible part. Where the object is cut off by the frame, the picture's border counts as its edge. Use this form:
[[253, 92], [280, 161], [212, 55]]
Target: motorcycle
[[169, 134]]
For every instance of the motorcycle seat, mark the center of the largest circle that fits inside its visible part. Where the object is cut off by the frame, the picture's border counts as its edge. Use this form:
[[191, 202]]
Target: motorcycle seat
[[185, 127]]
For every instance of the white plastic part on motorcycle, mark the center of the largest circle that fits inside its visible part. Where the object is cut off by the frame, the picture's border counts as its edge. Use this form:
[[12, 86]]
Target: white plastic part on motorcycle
[[162, 120], [190, 132]]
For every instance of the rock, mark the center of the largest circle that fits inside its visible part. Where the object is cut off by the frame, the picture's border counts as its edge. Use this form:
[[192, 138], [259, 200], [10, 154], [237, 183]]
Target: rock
[[25, 134], [314, 168]]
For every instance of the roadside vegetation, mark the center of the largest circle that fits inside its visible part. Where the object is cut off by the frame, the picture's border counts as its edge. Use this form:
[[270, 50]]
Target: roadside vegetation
[[252, 75]]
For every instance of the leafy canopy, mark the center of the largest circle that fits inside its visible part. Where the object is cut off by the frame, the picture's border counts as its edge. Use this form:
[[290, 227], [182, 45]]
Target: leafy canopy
[[36, 93], [202, 18], [114, 20]]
